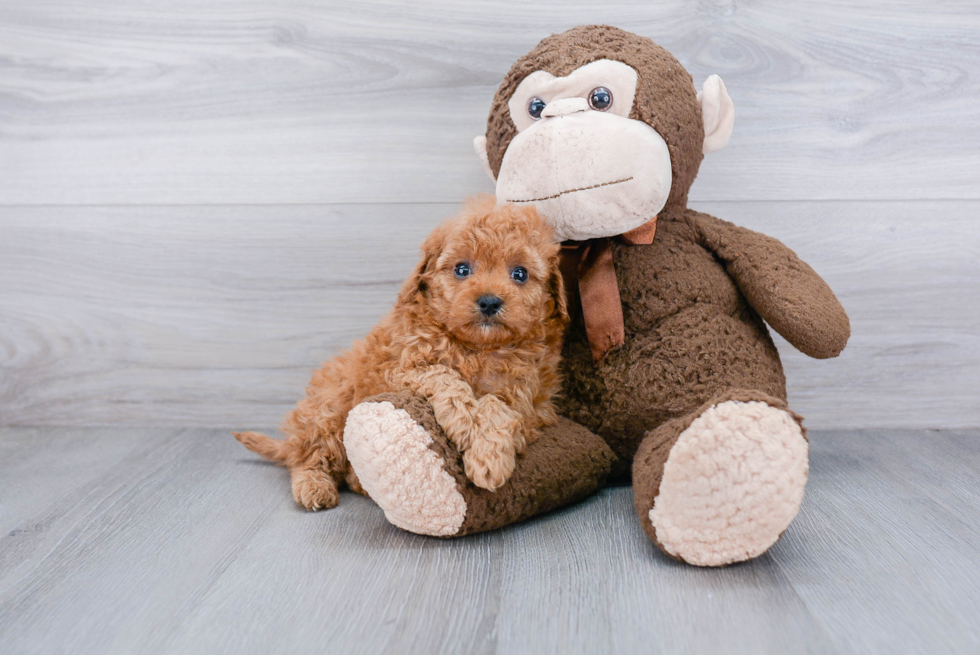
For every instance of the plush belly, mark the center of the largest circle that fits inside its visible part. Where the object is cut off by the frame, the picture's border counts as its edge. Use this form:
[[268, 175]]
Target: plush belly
[[667, 371]]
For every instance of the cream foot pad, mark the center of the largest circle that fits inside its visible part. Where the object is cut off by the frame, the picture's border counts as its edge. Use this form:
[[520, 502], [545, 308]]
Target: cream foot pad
[[390, 454], [732, 484]]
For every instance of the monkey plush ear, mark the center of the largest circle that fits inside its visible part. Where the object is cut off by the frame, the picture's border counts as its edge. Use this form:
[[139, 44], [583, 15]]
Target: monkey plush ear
[[480, 145], [718, 114]]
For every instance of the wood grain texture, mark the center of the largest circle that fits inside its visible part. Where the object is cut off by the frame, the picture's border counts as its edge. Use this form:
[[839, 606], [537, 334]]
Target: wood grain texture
[[897, 513], [239, 101], [180, 541], [217, 315]]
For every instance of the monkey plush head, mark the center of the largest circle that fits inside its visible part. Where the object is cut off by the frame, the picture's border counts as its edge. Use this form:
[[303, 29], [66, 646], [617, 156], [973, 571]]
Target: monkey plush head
[[601, 129]]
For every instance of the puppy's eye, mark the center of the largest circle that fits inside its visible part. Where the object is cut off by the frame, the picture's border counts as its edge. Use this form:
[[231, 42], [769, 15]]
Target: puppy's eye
[[600, 99], [519, 275], [534, 108], [462, 270]]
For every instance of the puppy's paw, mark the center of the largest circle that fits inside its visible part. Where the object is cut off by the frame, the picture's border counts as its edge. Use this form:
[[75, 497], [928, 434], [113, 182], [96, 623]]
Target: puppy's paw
[[314, 489], [528, 435], [496, 421], [496, 439], [547, 416], [488, 464]]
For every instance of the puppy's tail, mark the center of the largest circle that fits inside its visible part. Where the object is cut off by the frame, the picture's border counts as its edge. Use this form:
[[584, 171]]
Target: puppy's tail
[[274, 449]]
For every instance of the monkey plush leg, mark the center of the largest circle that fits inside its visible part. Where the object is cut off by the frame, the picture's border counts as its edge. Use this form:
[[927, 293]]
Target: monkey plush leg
[[406, 464], [722, 484]]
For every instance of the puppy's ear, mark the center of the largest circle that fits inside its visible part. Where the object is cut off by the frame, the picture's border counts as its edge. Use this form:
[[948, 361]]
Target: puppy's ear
[[417, 283], [556, 289]]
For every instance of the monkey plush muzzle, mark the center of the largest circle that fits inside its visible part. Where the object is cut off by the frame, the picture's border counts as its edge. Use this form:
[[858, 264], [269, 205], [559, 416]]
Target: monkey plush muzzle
[[586, 163]]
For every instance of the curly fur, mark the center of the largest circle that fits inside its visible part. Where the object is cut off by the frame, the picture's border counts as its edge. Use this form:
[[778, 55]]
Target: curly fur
[[489, 380]]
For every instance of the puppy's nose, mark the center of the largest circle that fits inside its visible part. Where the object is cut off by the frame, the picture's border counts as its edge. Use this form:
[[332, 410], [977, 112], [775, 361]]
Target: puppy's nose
[[489, 305]]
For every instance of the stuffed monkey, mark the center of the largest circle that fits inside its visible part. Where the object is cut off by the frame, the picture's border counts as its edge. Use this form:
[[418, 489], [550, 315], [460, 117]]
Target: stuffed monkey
[[670, 374]]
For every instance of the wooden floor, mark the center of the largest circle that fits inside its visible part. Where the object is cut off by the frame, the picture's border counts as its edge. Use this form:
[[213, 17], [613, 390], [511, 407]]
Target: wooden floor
[[178, 541]]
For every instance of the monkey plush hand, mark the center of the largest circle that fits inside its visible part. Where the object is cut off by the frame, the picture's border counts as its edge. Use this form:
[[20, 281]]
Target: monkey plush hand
[[668, 358]]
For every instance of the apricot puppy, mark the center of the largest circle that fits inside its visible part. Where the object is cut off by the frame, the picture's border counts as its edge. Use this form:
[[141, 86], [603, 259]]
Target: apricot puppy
[[477, 330]]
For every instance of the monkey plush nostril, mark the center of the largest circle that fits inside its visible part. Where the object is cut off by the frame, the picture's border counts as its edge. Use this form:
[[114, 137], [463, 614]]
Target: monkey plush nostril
[[489, 305], [564, 107]]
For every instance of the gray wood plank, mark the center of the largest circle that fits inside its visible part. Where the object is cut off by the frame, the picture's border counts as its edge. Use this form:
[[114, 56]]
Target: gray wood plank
[[193, 546], [151, 560], [216, 315], [886, 554], [23, 452], [40, 469], [126, 554], [238, 101], [597, 585], [139, 299], [348, 582]]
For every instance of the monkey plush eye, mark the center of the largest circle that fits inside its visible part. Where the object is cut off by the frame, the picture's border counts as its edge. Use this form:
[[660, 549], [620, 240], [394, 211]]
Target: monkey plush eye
[[462, 270], [600, 98], [534, 108], [519, 275]]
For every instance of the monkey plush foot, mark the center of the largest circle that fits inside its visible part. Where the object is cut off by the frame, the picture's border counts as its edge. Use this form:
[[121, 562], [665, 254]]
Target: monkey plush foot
[[407, 466], [721, 485]]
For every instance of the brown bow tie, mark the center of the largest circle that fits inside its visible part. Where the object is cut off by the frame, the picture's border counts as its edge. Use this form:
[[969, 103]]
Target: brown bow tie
[[588, 267]]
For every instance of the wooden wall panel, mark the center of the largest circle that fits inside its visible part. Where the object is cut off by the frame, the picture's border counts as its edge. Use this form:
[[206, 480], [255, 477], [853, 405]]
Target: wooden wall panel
[[239, 101], [200, 201], [216, 315]]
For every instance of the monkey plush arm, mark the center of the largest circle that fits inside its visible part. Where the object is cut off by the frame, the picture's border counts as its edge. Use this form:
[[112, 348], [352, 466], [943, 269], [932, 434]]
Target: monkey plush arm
[[786, 292]]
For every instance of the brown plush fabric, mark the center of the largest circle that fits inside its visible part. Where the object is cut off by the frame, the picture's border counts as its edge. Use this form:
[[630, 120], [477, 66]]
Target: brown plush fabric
[[690, 334], [565, 464], [792, 298], [651, 457], [691, 330], [665, 96]]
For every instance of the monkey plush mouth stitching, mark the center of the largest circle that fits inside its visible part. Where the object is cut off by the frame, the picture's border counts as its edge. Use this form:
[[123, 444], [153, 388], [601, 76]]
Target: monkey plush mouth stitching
[[585, 188]]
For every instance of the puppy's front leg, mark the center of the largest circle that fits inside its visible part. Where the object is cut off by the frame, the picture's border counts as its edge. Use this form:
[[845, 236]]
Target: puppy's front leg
[[510, 418], [490, 459], [483, 429], [452, 399]]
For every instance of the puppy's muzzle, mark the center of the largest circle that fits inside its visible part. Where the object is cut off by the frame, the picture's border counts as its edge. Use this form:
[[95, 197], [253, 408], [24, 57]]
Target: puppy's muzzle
[[489, 305]]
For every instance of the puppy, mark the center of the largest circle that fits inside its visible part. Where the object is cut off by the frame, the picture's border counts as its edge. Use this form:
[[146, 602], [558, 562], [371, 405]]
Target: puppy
[[477, 330]]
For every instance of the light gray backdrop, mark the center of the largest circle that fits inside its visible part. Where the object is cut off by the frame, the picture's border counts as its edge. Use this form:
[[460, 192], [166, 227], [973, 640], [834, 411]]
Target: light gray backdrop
[[201, 201]]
